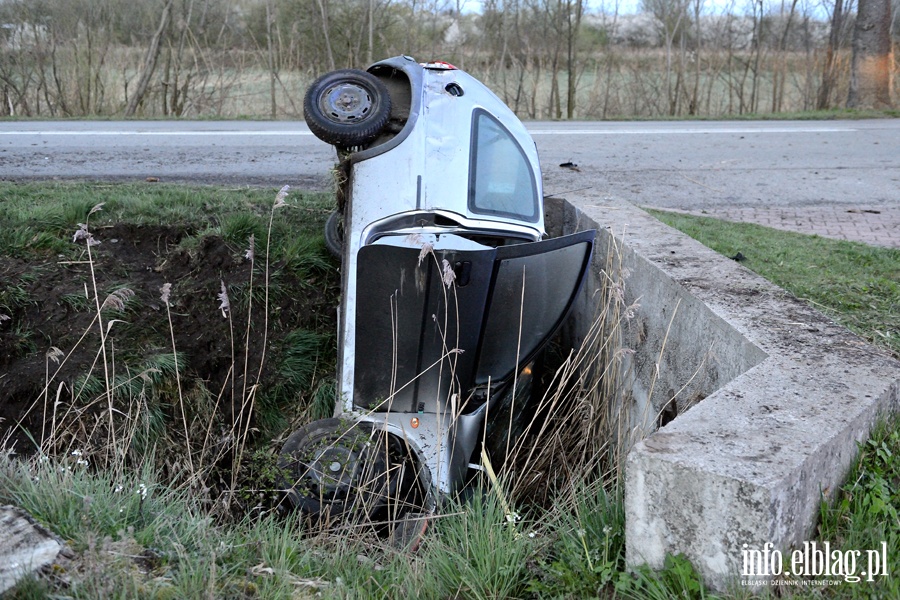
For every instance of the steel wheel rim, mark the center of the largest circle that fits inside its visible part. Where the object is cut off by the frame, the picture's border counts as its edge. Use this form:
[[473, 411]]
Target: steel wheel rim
[[346, 103]]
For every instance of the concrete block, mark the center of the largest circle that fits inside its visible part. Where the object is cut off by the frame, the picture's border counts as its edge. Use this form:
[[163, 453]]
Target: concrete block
[[771, 397], [25, 546]]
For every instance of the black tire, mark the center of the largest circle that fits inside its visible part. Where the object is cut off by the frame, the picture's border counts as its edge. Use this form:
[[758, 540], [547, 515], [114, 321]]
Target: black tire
[[334, 234], [339, 474], [347, 108]]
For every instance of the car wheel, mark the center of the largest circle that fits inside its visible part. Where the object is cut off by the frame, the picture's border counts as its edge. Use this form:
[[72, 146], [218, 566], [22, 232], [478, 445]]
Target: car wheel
[[339, 474], [347, 108], [334, 234]]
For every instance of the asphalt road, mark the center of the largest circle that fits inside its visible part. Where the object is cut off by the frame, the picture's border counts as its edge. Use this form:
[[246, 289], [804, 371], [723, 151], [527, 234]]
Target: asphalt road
[[687, 165]]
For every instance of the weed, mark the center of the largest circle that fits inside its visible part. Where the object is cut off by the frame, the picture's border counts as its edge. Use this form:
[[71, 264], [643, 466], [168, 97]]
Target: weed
[[864, 513], [15, 298], [129, 377], [75, 302], [264, 492], [587, 549], [306, 257], [19, 340], [159, 507], [165, 292], [302, 354], [480, 550], [239, 227], [323, 400], [24, 240], [677, 579], [30, 587]]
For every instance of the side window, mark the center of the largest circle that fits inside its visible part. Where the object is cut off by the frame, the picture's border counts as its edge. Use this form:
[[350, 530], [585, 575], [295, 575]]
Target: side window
[[501, 181]]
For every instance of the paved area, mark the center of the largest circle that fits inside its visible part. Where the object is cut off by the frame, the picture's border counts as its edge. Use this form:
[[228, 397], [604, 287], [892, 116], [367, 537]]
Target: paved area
[[879, 226]]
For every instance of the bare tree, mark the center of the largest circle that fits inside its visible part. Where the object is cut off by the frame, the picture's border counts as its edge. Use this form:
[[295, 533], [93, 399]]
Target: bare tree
[[574, 12], [149, 61], [323, 11], [829, 71], [673, 20], [873, 58], [270, 48], [780, 70]]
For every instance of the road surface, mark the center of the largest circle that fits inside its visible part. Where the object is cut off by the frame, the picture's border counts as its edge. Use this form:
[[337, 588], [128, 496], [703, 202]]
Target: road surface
[[683, 165]]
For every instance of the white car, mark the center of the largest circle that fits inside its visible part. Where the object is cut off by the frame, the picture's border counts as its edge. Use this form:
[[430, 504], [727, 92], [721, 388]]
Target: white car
[[449, 289]]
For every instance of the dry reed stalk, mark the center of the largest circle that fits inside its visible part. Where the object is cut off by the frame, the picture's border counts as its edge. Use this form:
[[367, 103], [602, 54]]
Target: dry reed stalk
[[89, 241], [208, 435], [576, 431], [251, 256], [165, 291], [241, 441]]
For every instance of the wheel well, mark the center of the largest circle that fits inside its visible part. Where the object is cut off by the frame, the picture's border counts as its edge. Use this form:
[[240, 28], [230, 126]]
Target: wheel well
[[400, 92]]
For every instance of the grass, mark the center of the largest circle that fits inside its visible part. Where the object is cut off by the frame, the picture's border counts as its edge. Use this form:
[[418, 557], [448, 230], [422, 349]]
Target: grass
[[87, 332], [866, 512], [136, 532], [856, 284]]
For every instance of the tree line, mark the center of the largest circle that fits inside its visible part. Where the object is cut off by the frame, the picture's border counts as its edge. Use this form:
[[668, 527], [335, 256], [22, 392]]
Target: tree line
[[559, 59]]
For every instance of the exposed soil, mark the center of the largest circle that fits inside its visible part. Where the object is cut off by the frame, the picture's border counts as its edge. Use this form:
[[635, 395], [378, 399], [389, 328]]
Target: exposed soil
[[56, 309]]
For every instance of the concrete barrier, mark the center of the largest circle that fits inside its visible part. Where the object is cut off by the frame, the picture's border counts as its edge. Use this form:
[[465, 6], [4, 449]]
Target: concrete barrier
[[770, 397]]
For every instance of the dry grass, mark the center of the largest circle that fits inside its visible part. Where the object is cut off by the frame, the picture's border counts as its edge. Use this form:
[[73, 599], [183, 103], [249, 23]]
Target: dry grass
[[619, 82], [105, 417], [581, 428]]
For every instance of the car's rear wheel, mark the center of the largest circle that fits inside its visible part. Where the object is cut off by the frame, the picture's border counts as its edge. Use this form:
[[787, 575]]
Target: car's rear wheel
[[334, 234], [347, 108]]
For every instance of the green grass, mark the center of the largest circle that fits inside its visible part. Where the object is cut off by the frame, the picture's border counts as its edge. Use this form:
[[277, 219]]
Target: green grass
[[135, 534], [856, 284], [866, 511], [849, 114], [196, 239], [61, 204]]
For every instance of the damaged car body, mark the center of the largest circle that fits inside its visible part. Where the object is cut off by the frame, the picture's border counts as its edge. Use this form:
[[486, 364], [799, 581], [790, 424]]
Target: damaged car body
[[449, 289]]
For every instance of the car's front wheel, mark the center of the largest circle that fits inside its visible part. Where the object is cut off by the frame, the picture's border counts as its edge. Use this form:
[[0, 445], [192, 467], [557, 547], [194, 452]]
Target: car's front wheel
[[337, 473], [347, 108]]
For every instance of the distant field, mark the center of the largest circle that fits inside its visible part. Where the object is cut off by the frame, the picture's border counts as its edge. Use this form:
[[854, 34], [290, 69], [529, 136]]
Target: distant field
[[615, 84]]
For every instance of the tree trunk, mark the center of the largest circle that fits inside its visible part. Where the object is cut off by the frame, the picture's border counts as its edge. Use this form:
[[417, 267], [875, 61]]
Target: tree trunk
[[829, 74], [573, 23], [870, 70], [270, 46], [179, 85], [149, 61], [325, 32], [780, 74]]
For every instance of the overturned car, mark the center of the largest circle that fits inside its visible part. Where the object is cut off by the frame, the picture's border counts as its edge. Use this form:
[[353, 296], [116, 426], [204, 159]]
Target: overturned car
[[449, 289]]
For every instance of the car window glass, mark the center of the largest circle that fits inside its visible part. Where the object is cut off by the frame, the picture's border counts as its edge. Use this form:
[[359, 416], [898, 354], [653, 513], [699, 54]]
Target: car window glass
[[501, 179]]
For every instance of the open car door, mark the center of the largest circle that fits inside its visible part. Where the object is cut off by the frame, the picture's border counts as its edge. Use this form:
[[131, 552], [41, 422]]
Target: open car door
[[437, 322]]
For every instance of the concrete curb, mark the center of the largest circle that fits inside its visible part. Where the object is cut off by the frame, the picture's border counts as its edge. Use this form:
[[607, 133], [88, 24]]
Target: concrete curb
[[778, 398]]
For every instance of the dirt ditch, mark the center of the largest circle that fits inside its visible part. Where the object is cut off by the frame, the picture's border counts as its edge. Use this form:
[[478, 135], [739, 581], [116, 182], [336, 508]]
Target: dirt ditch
[[50, 304]]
